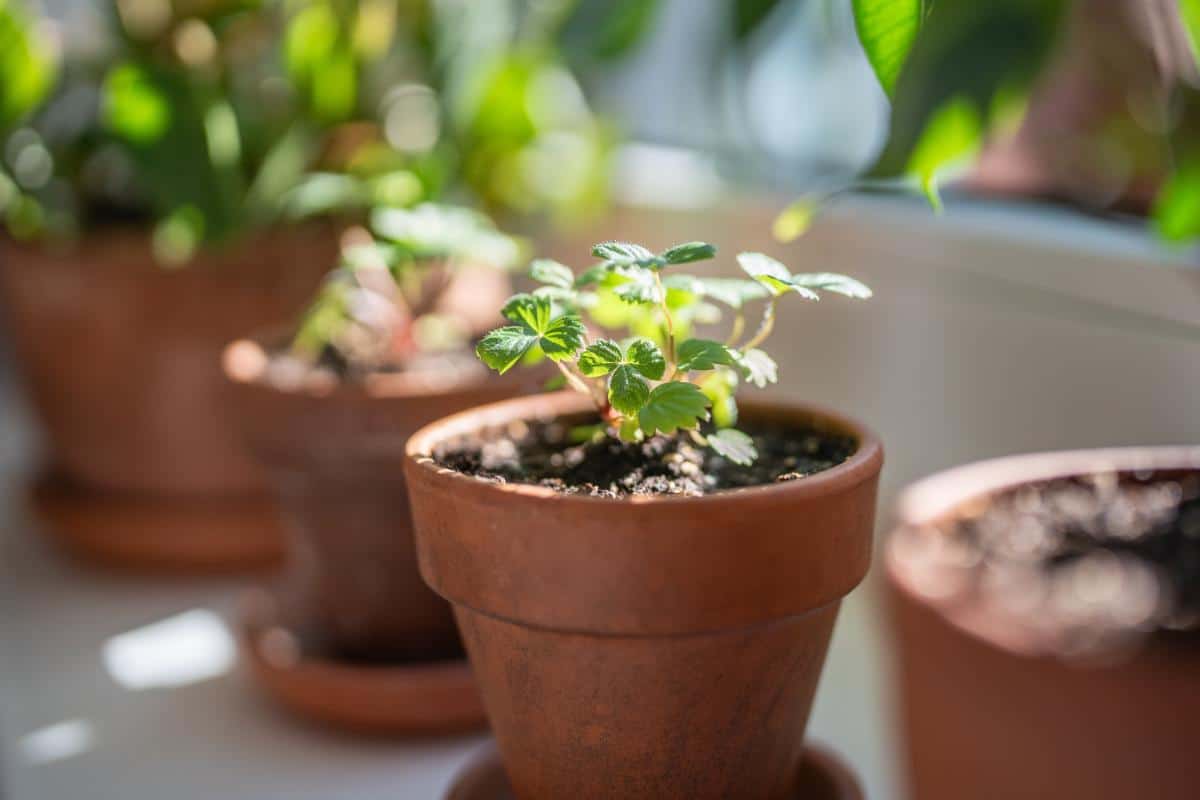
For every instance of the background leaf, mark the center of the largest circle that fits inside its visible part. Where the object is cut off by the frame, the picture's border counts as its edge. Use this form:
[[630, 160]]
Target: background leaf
[[552, 273], [733, 445], [887, 30], [688, 252]]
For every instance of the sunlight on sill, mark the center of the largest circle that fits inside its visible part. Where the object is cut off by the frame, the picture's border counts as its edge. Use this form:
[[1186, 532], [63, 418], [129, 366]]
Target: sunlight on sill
[[188, 648]]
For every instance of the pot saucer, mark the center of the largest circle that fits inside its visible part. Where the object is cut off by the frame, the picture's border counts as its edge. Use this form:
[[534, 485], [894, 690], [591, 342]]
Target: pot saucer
[[820, 775], [421, 698], [152, 533]]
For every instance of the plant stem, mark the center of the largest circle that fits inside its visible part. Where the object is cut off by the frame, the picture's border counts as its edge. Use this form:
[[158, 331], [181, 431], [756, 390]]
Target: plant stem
[[739, 327], [580, 384], [670, 325], [764, 330]]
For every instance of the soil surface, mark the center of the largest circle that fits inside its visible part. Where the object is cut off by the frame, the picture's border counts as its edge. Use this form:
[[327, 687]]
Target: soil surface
[[552, 455], [1087, 565]]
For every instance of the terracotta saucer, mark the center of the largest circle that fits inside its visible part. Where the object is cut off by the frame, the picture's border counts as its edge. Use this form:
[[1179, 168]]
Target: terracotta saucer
[[819, 776], [150, 533], [426, 698]]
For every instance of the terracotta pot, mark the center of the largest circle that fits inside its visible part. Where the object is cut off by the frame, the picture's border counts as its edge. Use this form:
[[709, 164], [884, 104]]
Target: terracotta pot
[[335, 458], [646, 647], [987, 716], [121, 357]]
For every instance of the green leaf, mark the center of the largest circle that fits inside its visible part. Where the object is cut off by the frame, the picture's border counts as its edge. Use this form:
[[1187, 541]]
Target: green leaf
[[600, 358], [646, 357], [1189, 11], [504, 347], [688, 252], [629, 430], [773, 275], [26, 65], [748, 15], [545, 270], [530, 310], [795, 220], [621, 252], [733, 292], [135, 107], [832, 282], [952, 135], [887, 30], [1176, 211], [563, 338], [627, 390], [639, 287], [672, 406], [733, 445], [758, 368], [592, 276], [702, 354]]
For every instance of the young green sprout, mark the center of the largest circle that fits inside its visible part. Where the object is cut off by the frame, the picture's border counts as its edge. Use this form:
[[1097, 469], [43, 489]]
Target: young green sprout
[[660, 378]]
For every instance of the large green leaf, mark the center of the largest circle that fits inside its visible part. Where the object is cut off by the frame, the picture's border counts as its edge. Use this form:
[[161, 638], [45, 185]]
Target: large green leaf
[[671, 406], [504, 347], [887, 30], [559, 338], [702, 354], [1189, 11]]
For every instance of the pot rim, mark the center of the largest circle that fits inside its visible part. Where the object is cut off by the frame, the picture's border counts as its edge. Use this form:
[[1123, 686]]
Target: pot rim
[[866, 459], [244, 361], [942, 494]]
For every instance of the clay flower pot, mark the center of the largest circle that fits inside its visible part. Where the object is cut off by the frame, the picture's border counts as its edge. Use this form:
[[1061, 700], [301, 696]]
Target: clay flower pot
[[987, 715], [351, 595], [121, 359], [650, 647]]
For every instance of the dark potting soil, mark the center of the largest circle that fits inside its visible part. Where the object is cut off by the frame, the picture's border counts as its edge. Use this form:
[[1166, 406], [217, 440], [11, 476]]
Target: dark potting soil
[[549, 454], [1089, 565]]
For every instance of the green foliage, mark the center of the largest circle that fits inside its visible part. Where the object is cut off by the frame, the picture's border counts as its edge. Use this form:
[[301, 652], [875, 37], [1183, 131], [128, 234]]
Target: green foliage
[[887, 30], [953, 134], [662, 379], [1189, 11], [241, 114]]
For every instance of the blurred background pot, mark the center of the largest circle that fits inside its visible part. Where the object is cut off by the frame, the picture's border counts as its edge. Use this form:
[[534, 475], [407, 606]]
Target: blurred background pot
[[122, 357], [351, 596], [649, 647], [988, 714]]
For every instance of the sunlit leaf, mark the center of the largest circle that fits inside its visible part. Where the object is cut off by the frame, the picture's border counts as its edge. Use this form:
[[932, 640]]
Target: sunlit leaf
[[600, 358], [548, 271], [795, 220], [887, 30], [135, 107], [1176, 212], [628, 391], [757, 367], [688, 252], [702, 354], [952, 136], [646, 357], [832, 282], [504, 347], [733, 445], [26, 65], [773, 275], [671, 406]]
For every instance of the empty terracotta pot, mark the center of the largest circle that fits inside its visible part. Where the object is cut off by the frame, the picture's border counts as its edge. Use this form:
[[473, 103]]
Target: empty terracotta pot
[[649, 647], [335, 457], [986, 716], [122, 357]]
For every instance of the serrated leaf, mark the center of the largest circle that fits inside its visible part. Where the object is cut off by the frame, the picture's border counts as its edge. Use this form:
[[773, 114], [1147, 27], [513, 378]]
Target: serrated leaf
[[593, 275], [733, 445], [688, 252], [504, 347], [530, 310], [552, 273], [672, 406], [758, 368], [600, 358], [646, 357], [887, 30], [733, 292], [639, 288], [832, 282], [702, 354], [622, 252], [773, 275], [563, 338], [627, 390]]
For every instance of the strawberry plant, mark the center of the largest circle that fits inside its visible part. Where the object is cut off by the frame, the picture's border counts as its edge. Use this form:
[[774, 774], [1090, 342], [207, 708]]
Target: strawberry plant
[[659, 378], [382, 304]]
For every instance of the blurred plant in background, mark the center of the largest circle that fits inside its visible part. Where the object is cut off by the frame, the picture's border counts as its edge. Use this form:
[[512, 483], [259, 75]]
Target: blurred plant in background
[[207, 118]]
